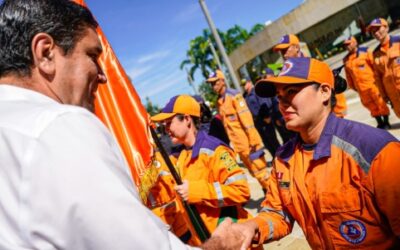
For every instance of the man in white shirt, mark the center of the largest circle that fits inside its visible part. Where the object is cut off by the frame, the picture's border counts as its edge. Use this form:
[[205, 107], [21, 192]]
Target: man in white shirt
[[63, 181]]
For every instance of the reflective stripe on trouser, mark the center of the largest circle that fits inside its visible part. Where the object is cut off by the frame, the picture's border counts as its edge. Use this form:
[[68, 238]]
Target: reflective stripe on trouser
[[257, 168]]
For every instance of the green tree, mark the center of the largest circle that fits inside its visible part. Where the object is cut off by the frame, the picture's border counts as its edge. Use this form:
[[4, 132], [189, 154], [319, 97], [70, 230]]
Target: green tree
[[199, 55], [151, 108]]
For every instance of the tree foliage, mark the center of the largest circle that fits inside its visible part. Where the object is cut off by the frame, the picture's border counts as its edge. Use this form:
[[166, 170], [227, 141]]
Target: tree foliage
[[151, 108], [199, 56]]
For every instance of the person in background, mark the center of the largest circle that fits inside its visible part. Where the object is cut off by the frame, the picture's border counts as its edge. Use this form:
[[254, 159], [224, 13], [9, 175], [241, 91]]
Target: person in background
[[338, 179], [360, 77], [239, 126], [209, 123], [276, 115], [212, 179], [387, 63], [260, 109], [289, 46]]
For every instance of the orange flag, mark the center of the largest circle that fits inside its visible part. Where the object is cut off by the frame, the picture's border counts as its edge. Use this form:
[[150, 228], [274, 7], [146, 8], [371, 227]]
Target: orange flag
[[119, 107]]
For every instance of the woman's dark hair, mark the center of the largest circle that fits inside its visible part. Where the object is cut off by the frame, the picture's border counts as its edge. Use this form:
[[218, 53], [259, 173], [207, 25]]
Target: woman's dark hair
[[20, 20], [333, 94]]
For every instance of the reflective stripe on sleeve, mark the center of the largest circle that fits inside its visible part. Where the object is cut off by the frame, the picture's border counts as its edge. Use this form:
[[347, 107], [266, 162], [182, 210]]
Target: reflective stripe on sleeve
[[353, 151], [251, 126], [206, 151], [282, 213], [236, 177], [164, 173], [243, 111], [220, 196], [271, 230]]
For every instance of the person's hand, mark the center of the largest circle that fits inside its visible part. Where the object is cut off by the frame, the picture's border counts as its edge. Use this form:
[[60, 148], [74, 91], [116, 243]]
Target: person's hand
[[225, 237], [249, 231], [183, 190]]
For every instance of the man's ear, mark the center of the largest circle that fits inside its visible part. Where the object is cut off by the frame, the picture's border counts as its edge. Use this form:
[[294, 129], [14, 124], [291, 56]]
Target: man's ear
[[43, 52]]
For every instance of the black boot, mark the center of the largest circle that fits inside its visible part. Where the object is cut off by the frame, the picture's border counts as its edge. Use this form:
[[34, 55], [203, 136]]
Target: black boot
[[386, 124], [379, 121]]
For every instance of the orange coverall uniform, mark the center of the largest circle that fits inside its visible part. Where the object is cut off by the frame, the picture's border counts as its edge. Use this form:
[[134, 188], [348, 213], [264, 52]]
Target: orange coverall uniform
[[387, 70], [340, 108], [343, 192], [217, 185], [360, 77], [239, 125], [163, 202]]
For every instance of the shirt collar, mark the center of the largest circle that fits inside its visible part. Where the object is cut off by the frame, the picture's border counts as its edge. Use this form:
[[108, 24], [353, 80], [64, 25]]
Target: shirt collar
[[12, 92], [323, 147]]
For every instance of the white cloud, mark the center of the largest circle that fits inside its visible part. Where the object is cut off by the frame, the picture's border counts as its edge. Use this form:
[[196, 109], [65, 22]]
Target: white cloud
[[135, 72], [153, 56]]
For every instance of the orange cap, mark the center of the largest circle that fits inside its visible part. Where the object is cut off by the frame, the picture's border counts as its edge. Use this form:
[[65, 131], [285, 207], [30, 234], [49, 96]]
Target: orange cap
[[180, 104], [349, 40], [377, 22], [296, 71], [215, 76], [286, 41]]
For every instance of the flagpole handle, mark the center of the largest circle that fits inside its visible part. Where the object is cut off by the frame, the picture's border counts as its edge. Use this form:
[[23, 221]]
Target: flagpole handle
[[191, 210]]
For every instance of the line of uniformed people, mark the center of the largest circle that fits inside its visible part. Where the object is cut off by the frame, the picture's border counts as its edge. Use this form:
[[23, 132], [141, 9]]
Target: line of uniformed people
[[379, 85]]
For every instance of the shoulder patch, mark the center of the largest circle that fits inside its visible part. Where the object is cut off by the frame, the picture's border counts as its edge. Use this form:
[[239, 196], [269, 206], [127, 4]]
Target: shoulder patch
[[228, 161]]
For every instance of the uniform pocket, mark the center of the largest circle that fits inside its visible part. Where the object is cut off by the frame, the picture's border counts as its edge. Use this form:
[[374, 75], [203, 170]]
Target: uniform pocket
[[345, 200]]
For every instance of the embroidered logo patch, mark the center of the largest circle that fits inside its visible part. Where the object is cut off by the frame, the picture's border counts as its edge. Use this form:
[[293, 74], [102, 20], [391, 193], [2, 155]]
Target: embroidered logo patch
[[229, 162], [398, 60], [353, 231], [287, 66]]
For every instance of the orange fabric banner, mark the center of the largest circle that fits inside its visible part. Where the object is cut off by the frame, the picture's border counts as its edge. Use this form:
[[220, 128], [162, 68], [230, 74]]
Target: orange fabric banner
[[119, 107]]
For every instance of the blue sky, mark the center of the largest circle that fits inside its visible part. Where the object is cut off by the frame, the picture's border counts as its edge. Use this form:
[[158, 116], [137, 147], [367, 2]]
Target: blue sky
[[150, 38]]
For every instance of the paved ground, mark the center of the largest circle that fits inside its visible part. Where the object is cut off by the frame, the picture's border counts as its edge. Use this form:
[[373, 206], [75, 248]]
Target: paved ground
[[356, 112]]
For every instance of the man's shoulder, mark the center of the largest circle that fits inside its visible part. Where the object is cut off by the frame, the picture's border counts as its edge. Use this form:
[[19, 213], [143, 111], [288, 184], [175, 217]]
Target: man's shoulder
[[32, 118]]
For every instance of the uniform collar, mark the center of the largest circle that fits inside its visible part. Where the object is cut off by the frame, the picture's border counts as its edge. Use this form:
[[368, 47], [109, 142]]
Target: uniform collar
[[323, 147], [200, 138]]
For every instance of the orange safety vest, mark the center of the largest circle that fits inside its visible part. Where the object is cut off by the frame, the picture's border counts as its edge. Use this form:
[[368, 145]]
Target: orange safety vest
[[343, 192]]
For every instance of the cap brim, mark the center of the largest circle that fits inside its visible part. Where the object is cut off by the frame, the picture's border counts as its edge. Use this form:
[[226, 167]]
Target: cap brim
[[374, 25], [162, 116], [281, 46], [212, 79], [266, 87]]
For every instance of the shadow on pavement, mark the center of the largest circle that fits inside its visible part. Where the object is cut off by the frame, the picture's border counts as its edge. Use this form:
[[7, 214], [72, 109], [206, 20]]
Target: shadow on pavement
[[254, 204], [395, 126]]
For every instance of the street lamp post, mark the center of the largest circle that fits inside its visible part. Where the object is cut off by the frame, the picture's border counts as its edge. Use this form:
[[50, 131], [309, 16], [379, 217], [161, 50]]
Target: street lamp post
[[216, 57], [220, 45]]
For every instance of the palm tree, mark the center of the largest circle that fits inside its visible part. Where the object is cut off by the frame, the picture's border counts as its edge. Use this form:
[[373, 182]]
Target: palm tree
[[199, 55]]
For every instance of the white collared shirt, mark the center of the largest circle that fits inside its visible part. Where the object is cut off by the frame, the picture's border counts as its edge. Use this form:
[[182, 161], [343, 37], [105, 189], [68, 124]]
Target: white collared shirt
[[64, 183]]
